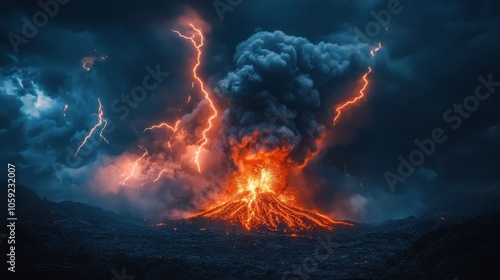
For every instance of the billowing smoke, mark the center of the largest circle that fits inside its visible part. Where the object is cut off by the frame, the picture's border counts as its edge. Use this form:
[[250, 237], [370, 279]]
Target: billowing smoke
[[275, 94]]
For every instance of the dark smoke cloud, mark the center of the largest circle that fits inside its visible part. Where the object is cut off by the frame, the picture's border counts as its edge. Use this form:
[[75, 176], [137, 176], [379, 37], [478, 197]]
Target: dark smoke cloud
[[275, 94]]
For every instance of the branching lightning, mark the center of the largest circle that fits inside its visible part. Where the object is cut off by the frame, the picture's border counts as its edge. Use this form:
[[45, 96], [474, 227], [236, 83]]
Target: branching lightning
[[99, 123], [198, 45], [361, 91]]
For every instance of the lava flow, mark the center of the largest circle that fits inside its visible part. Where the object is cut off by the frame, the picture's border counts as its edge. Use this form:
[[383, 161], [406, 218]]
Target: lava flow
[[261, 202], [361, 91]]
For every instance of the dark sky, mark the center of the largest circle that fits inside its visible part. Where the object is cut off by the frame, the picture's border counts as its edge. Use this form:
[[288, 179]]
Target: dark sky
[[432, 57]]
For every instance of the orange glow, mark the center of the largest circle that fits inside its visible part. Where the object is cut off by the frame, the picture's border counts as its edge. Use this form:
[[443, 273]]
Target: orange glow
[[307, 159], [88, 61], [100, 122], [135, 165], [198, 44], [260, 200], [361, 92]]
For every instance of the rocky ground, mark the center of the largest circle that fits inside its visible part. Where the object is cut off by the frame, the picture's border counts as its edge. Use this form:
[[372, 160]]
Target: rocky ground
[[69, 240]]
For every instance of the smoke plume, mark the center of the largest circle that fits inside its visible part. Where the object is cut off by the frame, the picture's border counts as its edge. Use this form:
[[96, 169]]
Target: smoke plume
[[275, 96]]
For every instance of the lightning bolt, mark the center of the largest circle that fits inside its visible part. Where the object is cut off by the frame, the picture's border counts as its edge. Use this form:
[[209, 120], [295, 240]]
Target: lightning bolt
[[135, 165], [65, 108], [101, 121], [198, 45], [169, 145], [352, 101], [173, 128], [375, 50], [361, 91], [159, 175]]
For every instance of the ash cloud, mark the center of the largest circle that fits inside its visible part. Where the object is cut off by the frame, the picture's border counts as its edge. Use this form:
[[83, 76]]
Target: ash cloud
[[275, 91]]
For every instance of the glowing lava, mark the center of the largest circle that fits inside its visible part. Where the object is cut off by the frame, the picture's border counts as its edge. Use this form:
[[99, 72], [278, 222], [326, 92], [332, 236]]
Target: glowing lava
[[198, 44], [260, 202], [100, 122], [361, 91]]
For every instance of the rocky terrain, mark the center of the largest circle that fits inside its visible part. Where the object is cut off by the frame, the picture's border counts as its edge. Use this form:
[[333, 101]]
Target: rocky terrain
[[70, 240]]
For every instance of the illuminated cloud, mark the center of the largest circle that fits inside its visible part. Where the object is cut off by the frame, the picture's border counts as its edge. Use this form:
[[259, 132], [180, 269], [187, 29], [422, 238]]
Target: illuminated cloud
[[34, 105]]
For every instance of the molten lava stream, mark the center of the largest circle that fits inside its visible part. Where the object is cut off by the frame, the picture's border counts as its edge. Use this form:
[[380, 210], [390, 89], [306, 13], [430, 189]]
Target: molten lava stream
[[258, 206]]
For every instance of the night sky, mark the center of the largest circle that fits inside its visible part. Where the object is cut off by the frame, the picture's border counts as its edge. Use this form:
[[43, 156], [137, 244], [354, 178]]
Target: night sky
[[435, 77]]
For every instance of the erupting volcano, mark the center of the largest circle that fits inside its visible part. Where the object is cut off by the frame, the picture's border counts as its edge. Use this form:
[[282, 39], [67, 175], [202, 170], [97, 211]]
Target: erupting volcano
[[260, 203]]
